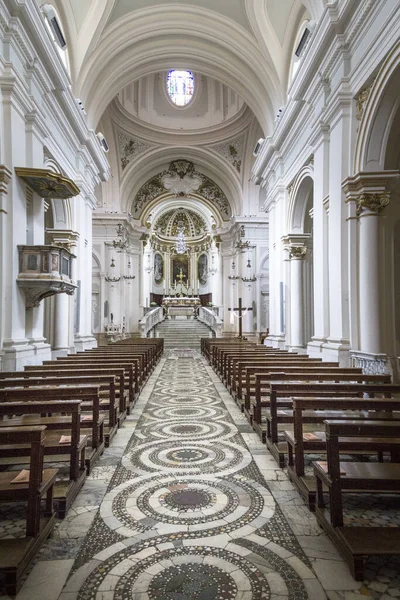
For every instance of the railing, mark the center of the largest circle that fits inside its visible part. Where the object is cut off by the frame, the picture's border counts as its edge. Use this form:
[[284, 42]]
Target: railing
[[150, 320], [207, 316]]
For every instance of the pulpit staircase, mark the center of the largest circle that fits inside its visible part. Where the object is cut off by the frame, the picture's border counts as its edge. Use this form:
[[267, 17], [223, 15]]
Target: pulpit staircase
[[185, 333]]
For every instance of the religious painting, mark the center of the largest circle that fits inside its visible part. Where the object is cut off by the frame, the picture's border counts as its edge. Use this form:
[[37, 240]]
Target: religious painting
[[202, 269], [180, 272], [158, 268]]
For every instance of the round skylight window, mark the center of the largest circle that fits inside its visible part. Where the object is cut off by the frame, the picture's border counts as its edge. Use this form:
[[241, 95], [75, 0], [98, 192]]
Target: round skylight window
[[180, 87]]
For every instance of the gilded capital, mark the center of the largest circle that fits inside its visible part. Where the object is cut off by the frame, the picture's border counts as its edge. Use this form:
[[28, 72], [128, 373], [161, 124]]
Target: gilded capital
[[298, 251], [373, 202]]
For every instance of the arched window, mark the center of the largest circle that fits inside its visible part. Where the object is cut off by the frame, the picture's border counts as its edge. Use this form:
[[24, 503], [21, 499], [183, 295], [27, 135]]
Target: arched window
[[180, 87]]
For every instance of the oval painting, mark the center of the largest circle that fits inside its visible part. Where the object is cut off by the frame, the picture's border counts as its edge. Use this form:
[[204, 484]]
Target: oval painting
[[202, 269], [158, 268]]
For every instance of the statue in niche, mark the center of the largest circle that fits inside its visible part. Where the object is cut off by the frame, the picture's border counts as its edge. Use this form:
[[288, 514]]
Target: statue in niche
[[202, 269]]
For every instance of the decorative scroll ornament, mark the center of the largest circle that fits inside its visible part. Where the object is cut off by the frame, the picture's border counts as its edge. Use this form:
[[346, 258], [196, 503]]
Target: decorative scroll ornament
[[372, 202], [362, 99], [232, 151], [182, 180], [129, 148], [297, 251]]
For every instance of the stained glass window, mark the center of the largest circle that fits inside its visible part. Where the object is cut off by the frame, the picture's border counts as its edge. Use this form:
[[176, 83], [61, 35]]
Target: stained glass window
[[180, 86]]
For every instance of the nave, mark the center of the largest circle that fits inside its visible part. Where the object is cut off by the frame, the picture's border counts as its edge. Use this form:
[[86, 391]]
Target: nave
[[187, 504]]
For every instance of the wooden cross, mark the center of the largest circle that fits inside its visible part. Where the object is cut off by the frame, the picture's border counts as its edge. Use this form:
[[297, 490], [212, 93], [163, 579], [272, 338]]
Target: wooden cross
[[240, 311]]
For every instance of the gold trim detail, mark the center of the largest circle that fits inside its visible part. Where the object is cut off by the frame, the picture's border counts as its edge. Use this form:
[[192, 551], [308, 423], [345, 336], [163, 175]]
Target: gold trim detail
[[297, 251], [372, 202], [47, 184]]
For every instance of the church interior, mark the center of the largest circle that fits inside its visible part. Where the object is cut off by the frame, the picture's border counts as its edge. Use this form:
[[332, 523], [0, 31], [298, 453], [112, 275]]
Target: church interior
[[199, 317]]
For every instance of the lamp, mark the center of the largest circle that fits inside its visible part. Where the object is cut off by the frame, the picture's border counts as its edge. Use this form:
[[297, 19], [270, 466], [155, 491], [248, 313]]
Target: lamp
[[180, 245], [129, 266], [110, 278]]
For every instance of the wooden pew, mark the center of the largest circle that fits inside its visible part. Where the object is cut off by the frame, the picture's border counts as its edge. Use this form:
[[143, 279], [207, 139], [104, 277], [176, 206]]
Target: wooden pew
[[315, 411], [17, 553], [357, 543], [112, 391], [39, 401], [279, 398], [290, 364], [92, 422]]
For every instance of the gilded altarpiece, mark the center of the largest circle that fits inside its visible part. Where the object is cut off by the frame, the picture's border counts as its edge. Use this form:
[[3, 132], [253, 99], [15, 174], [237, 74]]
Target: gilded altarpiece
[[180, 265]]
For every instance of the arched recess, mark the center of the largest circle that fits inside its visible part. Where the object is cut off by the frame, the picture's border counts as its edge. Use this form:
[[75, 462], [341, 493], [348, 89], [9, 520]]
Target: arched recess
[[158, 160], [144, 42], [300, 226], [379, 117], [377, 152]]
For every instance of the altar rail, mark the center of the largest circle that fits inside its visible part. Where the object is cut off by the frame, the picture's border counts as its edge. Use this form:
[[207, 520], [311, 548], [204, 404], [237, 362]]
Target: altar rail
[[207, 316], [150, 320]]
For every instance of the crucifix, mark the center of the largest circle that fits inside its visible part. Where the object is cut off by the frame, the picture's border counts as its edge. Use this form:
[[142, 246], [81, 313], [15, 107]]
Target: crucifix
[[241, 315], [181, 276]]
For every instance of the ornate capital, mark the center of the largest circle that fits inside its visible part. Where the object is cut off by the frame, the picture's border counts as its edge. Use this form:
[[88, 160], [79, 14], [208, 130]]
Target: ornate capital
[[373, 202], [362, 99], [297, 251]]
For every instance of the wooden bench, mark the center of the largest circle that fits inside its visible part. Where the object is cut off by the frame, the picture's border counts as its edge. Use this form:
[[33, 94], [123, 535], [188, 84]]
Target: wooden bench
[[92, 422], [281, 392], [30, 402], [357, 543], [314, 411], [294, 364], [17, 553]]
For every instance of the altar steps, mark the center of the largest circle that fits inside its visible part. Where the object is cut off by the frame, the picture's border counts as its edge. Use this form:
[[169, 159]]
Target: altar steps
[[185, 333]]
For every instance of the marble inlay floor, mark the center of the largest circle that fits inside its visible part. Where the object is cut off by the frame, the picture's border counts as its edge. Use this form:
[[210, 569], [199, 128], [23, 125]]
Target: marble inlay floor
[[187, 504]]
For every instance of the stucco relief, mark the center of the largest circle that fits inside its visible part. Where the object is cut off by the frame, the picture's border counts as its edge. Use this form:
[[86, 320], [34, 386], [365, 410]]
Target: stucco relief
[[180, 177], [232, 151], [129, 148]]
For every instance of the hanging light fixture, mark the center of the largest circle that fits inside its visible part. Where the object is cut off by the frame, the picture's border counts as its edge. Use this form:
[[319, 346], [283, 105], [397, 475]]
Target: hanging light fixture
[[110, 278], [180, 245]]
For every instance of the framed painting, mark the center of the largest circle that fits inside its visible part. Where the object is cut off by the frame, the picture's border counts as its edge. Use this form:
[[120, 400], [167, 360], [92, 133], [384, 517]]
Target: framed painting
[[180, 270], [202, 269], [158, 268]]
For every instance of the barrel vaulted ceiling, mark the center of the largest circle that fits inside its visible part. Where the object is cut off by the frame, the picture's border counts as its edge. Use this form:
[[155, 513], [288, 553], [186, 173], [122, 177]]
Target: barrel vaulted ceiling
[[240, 52]]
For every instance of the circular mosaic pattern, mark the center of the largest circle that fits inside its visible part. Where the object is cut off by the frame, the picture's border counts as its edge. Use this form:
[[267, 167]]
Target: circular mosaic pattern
[[194, 581], [192, 573], [190, 399], [189, 455], [188, 499], [184, 413], [189, 430], [206, 506], [204, 456]]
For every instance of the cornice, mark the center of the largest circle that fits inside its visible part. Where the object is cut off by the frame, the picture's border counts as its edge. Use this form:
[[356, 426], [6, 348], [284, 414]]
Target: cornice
[[131, 125]]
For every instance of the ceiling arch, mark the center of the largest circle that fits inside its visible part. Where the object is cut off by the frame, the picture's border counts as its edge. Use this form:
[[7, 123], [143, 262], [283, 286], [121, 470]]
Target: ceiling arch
[[144, 42], [159, 160]]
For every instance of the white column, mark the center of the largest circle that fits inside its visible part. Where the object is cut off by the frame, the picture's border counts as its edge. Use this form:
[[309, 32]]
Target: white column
[[370, 314], [297, 254], [320, 241], [338, 344], [61, 324]]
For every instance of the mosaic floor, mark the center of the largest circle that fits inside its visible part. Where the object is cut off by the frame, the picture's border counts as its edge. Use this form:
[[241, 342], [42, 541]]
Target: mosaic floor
[[187, 504]]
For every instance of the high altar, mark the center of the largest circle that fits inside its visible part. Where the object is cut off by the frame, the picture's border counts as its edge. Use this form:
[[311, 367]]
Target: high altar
[[184, 306]]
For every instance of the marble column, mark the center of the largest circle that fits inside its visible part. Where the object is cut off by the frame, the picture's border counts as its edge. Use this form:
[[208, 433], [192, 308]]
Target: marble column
[[297, 254], [61, 325], [371, 194]]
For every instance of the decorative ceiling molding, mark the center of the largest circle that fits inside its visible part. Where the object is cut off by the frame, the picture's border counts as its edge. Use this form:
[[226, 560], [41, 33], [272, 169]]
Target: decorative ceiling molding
[[182, 169], [232, 151], [129, 148], [169, 223], [216, 134]]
